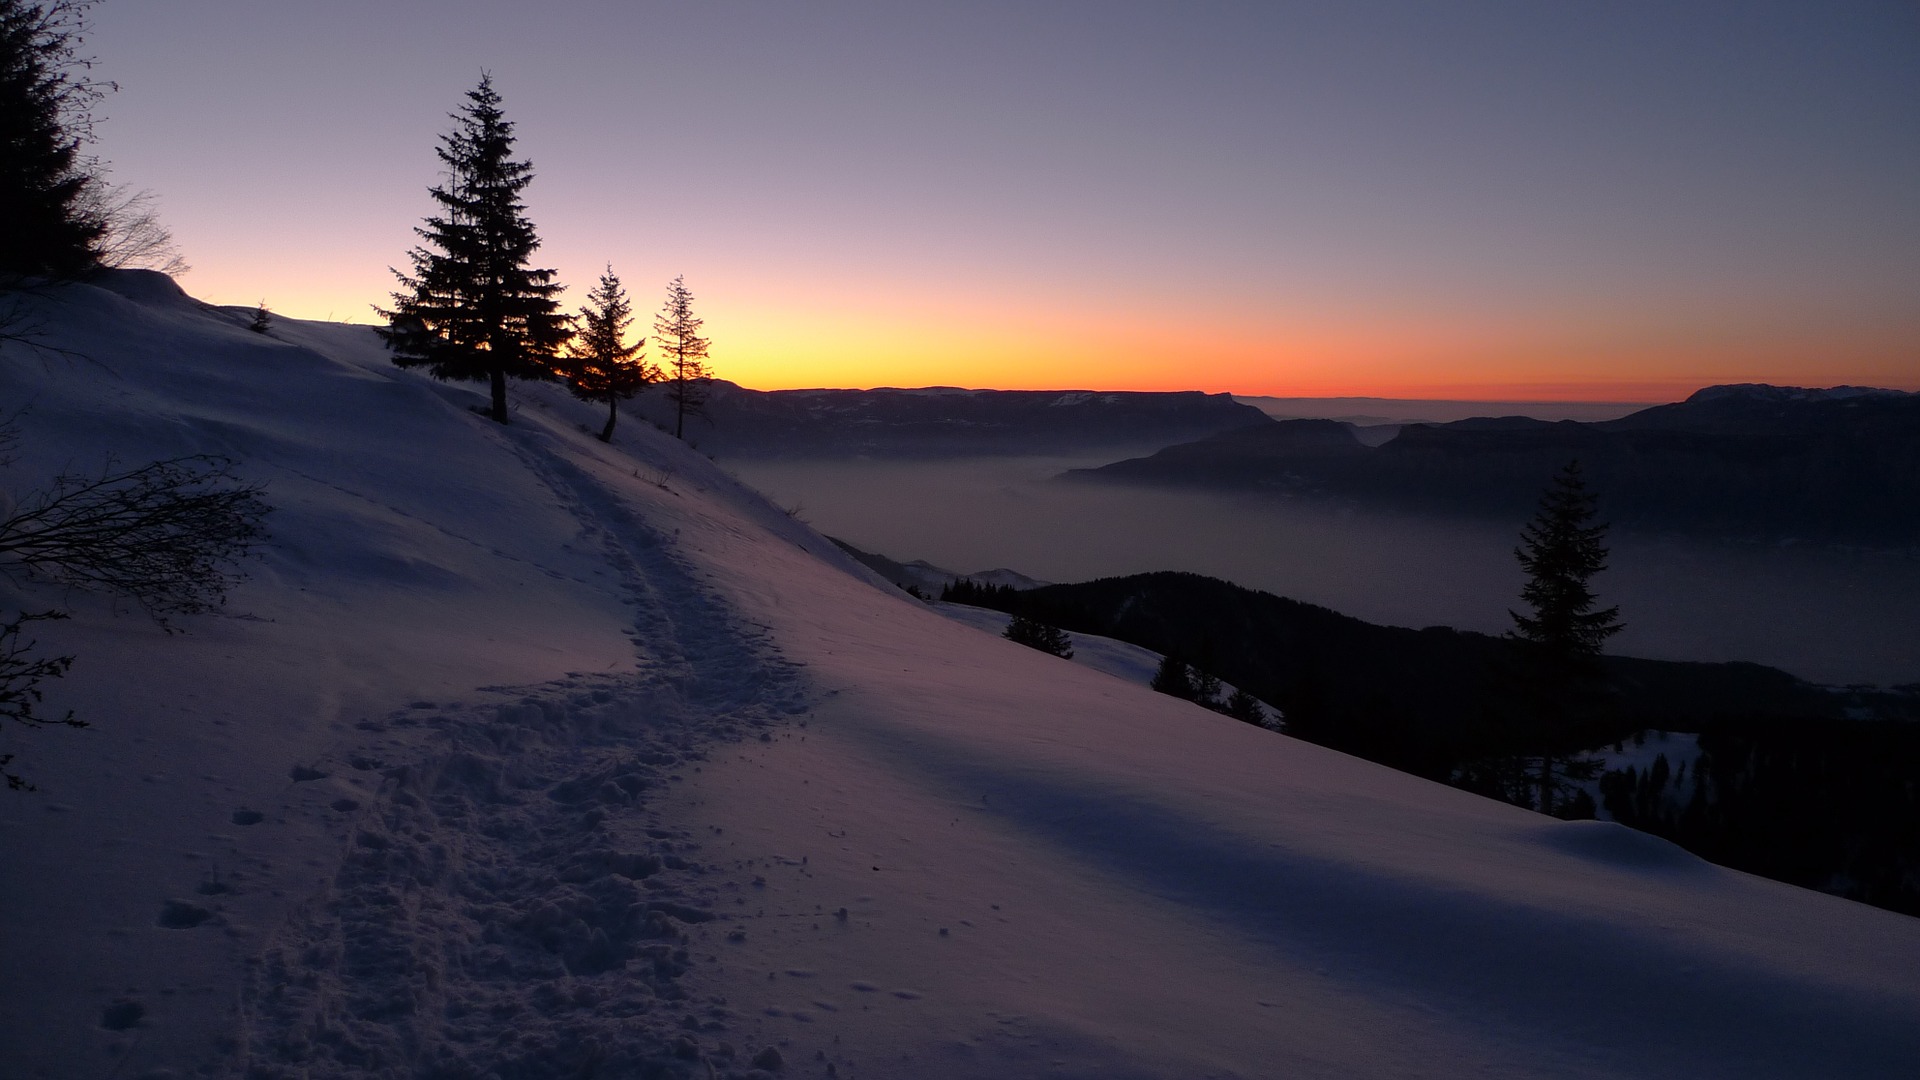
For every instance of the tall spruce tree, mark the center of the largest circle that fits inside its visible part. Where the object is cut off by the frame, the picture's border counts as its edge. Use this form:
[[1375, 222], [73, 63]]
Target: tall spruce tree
[[46, 103], [1560, 550], [677, 332], [599, 365], [473, 309]]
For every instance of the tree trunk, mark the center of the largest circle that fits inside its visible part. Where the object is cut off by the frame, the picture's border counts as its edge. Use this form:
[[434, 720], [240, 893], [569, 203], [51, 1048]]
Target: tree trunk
[[1546, 784], [613, 413], [499, 380], [680, 411]]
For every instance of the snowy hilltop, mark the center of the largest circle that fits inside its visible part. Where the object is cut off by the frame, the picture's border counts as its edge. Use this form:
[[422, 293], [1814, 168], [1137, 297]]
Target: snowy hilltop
[[525, 755]]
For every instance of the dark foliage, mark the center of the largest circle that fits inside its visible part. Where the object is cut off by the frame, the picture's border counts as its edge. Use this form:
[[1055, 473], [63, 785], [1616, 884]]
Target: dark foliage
[[1035, 634], [1828, 806], [262, 319], [1557, 679], [46, 102], [1561, 549], [20, 696], [168, 535], [1441, 703], [599, 365], [472, 309], [1424, 701], [967, 591], [1173, 678], [677, 332], [1245, 707]]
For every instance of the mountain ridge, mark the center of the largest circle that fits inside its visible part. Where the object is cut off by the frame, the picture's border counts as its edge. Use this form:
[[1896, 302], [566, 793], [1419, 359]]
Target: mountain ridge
[[1837, 464]]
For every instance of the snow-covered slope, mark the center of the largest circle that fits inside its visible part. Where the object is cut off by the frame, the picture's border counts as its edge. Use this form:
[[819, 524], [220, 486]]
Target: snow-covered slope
[[526, 756]]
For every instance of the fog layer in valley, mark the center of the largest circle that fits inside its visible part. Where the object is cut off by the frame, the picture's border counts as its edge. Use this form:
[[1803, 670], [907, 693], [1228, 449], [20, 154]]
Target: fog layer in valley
[[1829, 615]]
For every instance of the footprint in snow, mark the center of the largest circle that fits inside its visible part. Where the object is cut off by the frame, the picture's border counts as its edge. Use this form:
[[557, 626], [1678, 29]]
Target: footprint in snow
[[122, 1014], [180, 915], [248, 817]]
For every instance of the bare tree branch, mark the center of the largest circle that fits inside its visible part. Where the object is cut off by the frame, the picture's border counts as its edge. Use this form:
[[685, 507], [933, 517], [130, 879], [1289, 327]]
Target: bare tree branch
[[20, 675], [131, 236], [168, 535]]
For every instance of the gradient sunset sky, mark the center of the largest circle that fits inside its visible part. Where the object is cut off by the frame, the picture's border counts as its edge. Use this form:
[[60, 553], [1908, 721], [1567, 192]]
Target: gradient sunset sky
[[1516, 199]]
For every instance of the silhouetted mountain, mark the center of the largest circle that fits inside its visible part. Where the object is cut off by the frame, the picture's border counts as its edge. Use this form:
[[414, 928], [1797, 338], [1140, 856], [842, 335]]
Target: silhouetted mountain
[[1760, 461], [944, 421]]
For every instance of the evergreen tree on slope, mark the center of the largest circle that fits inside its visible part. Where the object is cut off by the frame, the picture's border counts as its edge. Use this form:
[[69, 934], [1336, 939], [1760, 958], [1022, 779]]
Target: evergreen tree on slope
[[1035, 634], [473, 309], [599, 364], [677, 332], [46, 102], [1561, 549]]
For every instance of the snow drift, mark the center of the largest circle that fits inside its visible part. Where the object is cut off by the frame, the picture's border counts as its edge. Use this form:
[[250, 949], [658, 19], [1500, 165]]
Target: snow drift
[[526, 756]]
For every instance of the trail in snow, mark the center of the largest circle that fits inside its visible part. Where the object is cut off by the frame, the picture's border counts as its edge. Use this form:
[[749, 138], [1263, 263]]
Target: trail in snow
[[507, 905]]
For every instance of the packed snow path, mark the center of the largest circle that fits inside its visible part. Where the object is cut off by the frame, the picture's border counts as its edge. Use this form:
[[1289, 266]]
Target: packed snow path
[[507, 906]]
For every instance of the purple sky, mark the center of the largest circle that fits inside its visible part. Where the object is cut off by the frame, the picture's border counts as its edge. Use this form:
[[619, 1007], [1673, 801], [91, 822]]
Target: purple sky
[[1617, 200]]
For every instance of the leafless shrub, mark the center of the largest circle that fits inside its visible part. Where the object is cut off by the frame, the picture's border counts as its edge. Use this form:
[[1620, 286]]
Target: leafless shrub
[[20, 695], [169, 535], [131, 236]]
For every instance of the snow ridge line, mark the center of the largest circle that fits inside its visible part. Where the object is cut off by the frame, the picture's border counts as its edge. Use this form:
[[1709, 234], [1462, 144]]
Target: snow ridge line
[[506, 906]]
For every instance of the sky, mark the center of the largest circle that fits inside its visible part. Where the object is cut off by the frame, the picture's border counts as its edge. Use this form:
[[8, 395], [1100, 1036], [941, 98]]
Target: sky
[[1502, 199]]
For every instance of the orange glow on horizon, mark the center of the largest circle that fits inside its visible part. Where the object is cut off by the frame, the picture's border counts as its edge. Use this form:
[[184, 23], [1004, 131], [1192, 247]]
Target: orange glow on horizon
[[779, 338]]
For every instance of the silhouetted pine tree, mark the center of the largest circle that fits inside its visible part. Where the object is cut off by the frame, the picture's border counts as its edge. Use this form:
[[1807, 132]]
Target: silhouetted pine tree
[[599, 365], [1173, 678], [677, 331], [46, 101], [1561, 549], [973, 593], [1035, 634], [1245, 707], [473, 309], [1206, 688]]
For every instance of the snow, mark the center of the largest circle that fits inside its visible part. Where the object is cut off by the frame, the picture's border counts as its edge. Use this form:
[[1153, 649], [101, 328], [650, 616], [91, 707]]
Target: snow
[[523, 755], [1120, 659]]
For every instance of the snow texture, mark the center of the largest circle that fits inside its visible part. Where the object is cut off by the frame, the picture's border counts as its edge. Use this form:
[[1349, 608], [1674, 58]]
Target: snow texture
[[526, 756]]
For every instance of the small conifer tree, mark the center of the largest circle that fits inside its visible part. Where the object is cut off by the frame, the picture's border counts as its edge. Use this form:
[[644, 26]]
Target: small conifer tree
[[262, 319], [599, 365], [1206, 688], [1035, 634], [1173, 678], [1245, 707], [684, 352]]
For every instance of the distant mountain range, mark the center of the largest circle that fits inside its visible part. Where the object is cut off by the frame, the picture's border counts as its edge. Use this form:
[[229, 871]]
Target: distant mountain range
[[945, 421], [1749, 460]]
